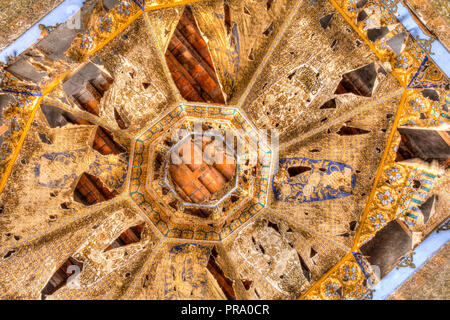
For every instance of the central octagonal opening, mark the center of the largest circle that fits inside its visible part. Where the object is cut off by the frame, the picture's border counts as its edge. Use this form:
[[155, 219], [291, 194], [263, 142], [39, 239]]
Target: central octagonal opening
[[201, 169]]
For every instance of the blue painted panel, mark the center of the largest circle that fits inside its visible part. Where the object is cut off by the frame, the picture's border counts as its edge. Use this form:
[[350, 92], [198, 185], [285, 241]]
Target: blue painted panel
[[326, 180]]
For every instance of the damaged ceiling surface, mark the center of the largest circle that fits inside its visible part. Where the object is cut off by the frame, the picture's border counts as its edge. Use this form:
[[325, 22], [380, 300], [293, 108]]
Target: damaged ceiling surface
[[355, 178]]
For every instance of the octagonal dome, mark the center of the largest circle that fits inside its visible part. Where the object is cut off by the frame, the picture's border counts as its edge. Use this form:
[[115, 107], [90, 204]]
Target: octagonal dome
[[206, 200]]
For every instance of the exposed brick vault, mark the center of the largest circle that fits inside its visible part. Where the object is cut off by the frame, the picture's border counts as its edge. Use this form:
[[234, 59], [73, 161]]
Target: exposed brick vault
[[92, 205]]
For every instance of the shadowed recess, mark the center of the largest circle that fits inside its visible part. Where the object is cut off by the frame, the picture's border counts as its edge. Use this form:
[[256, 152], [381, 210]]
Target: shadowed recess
[[105, 144], [351, 131], [388, 246], [90, 190], [104, 140], [225, 283], [295, 171], [87, 87]]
